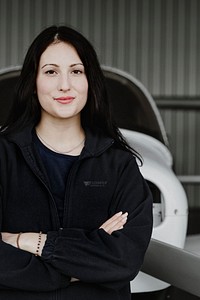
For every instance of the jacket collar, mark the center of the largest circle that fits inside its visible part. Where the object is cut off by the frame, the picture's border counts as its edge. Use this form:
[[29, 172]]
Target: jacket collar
[[95, 143]]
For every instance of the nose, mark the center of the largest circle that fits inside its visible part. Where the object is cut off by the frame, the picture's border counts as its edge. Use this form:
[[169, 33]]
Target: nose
[[64, 83]]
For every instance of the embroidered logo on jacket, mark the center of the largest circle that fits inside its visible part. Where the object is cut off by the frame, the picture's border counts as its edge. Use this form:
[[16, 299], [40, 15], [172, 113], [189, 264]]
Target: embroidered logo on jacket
[[95, 183]]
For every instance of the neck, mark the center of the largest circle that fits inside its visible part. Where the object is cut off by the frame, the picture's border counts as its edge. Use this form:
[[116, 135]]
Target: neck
[[62, 138]]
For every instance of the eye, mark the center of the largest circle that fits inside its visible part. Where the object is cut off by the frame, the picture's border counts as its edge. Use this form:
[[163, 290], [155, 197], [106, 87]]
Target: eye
[[77, 72], [50, 72]]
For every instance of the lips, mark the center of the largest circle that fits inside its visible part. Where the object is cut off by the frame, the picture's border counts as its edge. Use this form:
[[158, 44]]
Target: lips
[[64, 100]]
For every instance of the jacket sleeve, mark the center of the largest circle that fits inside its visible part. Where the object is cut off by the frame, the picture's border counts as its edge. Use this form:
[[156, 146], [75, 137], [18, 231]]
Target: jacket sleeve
[[24, 271], [97, 257]]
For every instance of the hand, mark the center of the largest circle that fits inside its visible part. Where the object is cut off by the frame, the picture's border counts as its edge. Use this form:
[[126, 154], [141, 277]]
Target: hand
[[116, 222], [10, 238]]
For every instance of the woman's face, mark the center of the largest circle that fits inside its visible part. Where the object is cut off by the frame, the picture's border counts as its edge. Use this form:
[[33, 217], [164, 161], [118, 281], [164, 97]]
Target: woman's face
[[61, 83]]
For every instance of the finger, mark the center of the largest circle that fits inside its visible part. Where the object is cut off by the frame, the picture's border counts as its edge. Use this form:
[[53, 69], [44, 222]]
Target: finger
[[115, 224], [109, 223], [113, 230], [120, 220], [113, 218]]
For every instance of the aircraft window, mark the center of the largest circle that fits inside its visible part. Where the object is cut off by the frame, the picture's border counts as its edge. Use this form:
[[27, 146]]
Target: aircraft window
[[158, 207]]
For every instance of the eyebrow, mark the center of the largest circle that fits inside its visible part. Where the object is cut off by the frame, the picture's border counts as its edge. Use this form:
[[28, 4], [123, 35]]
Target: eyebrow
[[55, 65]]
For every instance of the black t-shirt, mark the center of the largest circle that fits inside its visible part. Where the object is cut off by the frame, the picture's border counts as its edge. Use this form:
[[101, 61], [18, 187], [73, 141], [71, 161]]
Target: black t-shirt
[[57, 168]]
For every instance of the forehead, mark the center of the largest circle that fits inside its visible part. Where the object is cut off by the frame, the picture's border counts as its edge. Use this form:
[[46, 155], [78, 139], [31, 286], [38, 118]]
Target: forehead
[[60, 53]]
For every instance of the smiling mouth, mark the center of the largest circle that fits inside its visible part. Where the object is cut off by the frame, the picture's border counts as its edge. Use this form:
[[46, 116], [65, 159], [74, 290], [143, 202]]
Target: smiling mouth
[[64, 100]]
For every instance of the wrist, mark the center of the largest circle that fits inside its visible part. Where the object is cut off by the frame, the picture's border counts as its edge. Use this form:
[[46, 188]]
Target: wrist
[[32, 242]]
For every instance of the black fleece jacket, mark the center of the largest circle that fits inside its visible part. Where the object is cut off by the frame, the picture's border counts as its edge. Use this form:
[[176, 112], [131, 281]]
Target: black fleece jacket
[[103, 181]]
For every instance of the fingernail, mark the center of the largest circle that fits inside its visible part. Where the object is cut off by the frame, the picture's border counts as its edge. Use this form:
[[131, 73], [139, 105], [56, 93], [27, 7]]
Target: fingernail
[[125, 215], [119, 213]]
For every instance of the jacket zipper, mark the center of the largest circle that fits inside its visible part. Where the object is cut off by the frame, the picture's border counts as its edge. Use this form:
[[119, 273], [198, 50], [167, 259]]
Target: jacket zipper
[[54, 211], [56, 295], [68, 193]]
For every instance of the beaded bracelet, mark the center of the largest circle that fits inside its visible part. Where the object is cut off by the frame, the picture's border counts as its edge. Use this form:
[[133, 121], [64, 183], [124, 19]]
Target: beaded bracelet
[[17, 241], [39, 243]]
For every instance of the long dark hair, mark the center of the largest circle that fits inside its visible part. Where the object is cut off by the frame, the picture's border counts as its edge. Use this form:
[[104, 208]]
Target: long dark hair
[[96, 113]]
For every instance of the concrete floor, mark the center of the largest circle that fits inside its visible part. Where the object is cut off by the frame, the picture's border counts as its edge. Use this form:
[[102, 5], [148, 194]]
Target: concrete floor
[[170, 293]]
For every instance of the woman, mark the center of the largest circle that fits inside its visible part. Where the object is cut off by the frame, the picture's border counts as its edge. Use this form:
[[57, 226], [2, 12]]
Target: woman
[[76, 214]]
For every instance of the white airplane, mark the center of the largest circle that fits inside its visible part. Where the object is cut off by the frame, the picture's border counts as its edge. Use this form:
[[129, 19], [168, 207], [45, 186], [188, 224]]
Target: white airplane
[[141, 124]]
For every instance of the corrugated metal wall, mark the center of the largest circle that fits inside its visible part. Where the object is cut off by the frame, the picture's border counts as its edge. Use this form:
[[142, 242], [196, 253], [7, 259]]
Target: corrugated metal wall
[[157, 41]]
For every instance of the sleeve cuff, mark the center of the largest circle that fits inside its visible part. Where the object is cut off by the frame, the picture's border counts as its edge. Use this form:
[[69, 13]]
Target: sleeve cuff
[[49, 246]]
